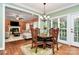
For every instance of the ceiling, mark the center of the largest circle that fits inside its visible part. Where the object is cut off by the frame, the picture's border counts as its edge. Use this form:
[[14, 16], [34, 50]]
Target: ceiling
[[34, 7], [49, 7], [12, 13]]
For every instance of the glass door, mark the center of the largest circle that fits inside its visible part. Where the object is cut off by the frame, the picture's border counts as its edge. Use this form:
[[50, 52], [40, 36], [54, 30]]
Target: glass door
[[69, 29], [75, 30], [61, 23]]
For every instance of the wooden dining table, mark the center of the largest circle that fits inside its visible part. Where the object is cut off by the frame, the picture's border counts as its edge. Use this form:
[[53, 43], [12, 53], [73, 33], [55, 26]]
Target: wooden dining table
[[44, 38]]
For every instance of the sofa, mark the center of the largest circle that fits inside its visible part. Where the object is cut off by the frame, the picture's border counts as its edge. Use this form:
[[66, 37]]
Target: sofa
[[27, 34]]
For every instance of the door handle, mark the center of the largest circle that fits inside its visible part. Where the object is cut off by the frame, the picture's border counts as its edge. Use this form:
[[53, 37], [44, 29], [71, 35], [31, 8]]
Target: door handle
[[72, 31]]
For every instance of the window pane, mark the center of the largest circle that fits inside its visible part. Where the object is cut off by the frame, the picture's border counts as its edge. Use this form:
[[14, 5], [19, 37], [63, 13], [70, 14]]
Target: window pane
[[76, 30], [55, 22], [63, 26], [48, 24]]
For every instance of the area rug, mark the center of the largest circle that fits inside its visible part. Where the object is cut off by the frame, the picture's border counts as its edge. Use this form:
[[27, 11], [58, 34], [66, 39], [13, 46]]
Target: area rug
[[26, 50]]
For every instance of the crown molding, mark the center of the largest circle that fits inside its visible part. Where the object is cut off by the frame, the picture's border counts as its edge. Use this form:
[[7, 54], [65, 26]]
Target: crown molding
[[33, 11], [17, 6], [28, 8], [61, 9]]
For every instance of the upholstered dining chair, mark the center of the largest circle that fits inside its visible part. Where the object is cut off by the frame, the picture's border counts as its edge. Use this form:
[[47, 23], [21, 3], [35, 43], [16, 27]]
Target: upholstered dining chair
[[50, 41], [38, 31], [54, 34], [35, 42], [34, 36]]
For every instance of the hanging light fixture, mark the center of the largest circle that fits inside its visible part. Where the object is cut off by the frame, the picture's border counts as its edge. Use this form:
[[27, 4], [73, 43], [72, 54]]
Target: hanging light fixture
[[19, 18], [45, 17]]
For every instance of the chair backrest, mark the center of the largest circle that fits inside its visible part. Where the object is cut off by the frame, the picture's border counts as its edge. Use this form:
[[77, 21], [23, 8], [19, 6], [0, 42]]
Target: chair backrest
[[54, 32], [34, 33], [50, 31], [38, 31]]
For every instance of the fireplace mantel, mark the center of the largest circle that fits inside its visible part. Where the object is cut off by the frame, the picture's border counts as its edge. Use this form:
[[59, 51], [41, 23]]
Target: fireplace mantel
[[14, 27]]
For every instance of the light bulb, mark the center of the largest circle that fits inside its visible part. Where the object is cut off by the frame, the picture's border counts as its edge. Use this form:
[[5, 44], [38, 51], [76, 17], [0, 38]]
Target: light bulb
[[44, 16], [41, 17], [48, 17]]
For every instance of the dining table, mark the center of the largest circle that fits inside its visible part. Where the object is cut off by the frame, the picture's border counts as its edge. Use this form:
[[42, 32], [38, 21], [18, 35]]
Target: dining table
[[44, 37]]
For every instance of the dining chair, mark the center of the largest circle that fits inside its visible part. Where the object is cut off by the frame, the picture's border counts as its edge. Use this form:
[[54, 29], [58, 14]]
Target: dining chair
[[33, 35], [50, 41], [35, 39], [54, 33], [38, 31]]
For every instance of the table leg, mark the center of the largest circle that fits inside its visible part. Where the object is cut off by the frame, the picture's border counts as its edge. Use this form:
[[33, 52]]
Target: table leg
[[44, 45]]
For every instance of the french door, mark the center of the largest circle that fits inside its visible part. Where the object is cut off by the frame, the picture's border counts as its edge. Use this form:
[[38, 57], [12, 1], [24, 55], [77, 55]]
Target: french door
[[75, 30], [61, 23], [69, 29]]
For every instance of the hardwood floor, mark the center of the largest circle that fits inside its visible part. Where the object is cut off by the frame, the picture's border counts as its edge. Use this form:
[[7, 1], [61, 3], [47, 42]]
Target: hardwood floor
[[68, 50], [13, 48]]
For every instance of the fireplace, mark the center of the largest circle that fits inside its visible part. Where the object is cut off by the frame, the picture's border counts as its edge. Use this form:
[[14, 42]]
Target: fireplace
[[15, 30]]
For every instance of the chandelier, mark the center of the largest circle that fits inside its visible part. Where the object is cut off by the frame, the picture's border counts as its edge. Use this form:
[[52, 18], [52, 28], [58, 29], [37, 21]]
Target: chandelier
[[45, 17], [19, 18]]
